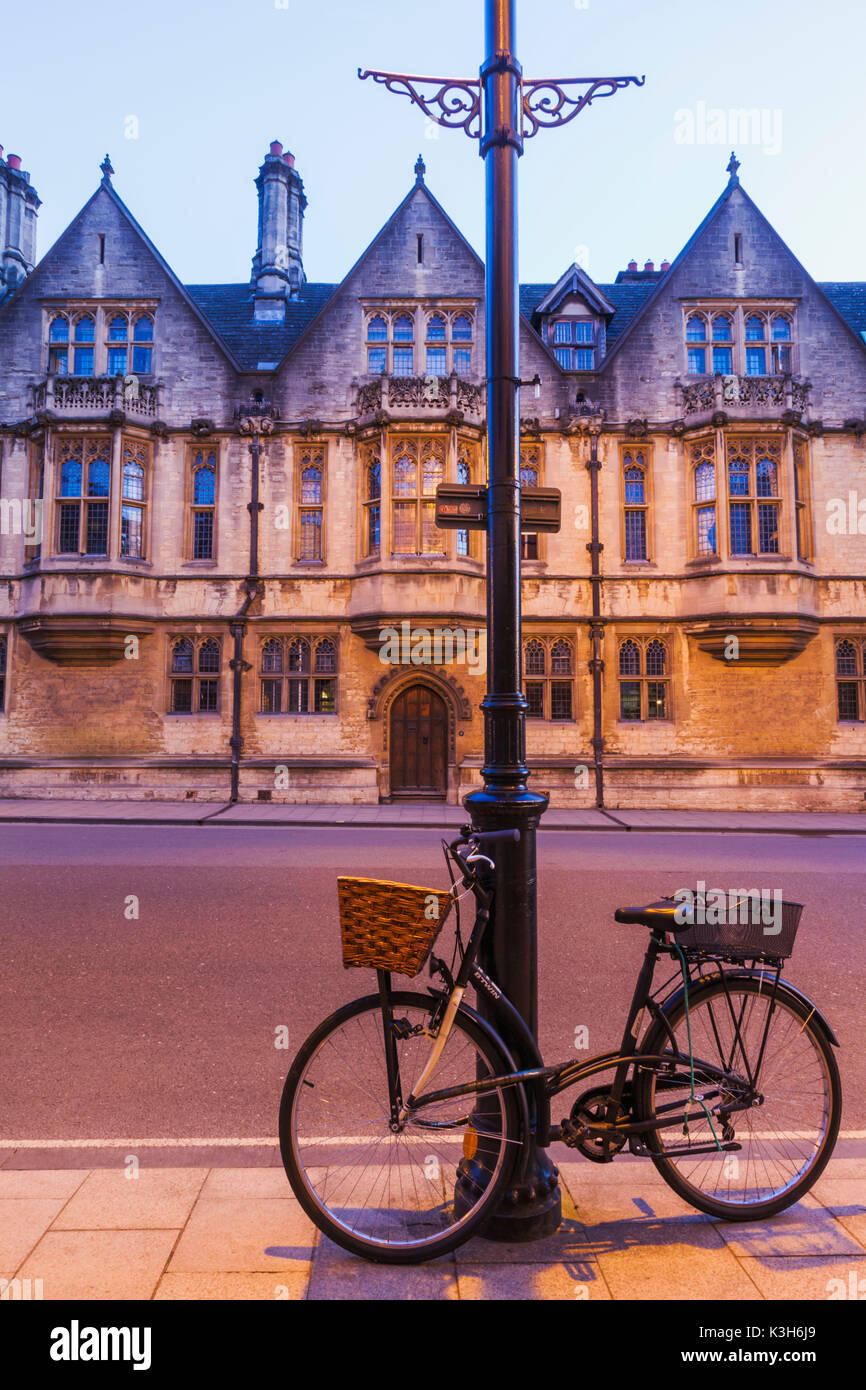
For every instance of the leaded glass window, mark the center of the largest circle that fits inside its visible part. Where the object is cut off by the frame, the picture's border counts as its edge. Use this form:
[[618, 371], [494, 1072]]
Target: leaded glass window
[[644, 686]]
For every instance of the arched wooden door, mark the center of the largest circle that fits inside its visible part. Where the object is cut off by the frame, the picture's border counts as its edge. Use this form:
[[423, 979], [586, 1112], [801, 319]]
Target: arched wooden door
[[419, 743]]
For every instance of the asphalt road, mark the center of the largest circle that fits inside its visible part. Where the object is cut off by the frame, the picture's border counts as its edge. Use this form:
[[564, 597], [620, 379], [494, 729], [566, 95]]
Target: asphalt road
[[164, 1024]]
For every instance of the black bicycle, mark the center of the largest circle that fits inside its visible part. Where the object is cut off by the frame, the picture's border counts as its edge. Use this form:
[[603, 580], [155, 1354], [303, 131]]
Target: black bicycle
[[405, 1119]]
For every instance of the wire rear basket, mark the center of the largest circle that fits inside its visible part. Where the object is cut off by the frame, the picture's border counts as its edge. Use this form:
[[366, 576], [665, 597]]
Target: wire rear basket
[[744, 934], [389, 926]]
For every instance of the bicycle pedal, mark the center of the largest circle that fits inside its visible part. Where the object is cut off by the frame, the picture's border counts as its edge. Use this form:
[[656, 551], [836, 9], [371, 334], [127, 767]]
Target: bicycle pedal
[[571, 1134], [402, 1029]]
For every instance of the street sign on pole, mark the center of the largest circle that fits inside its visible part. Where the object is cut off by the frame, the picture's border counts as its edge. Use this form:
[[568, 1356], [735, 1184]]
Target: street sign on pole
[[463, 507]]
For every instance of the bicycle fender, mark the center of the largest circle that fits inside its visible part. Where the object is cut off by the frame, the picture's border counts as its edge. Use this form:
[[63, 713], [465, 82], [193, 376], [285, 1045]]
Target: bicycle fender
[[784, 987]]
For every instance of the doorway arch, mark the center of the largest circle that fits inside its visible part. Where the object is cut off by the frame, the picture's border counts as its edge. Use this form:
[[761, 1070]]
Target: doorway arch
[[418, 743]]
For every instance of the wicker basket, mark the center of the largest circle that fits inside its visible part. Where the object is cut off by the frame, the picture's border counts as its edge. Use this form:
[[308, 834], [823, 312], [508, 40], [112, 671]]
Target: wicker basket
[[744, 939], [388, 926]]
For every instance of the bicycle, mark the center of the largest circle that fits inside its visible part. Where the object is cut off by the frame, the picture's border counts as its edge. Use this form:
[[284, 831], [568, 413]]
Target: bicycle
[[405, 1118]]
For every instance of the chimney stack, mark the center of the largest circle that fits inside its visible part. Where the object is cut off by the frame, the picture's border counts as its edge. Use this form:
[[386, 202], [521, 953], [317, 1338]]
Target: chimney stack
[[632, 265], [649, 268], [19, 206], [278, 267], [665, 267]]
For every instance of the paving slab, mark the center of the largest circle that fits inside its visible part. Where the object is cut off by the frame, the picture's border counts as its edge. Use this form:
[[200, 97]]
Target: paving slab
[[195, 1156], [135, 812], [157, 1199], [232, 1287], [285, 813], [246, 1182], [853, 1218], [801, 1231], [816, 1277], [598, 1201], [245, 1235], [236, 1232], [99, 1264], [669, 1261], [561, 1281], [337, 1274], [23, 1222], [808, 822], [44, 1182]]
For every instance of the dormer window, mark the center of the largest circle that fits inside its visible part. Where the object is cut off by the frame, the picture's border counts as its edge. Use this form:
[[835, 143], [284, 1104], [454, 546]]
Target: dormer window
[[573, 342]]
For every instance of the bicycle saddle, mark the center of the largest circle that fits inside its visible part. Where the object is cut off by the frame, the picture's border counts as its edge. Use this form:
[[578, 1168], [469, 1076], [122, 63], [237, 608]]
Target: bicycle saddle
[[659, 914]]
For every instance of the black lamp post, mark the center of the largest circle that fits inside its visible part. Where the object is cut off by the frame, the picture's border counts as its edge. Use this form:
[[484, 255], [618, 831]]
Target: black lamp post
[[501, 110]]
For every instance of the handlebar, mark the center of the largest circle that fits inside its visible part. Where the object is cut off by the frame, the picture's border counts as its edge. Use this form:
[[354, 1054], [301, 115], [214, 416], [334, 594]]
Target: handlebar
[[477, 841], [486, 836]]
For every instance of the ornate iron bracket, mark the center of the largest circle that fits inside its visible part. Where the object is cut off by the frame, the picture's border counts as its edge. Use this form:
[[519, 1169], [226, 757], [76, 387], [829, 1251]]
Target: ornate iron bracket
[[546, 103], [455, 102]]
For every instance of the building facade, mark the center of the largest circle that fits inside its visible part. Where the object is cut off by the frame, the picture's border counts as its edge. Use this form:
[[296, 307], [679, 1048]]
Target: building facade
[[221, 570]]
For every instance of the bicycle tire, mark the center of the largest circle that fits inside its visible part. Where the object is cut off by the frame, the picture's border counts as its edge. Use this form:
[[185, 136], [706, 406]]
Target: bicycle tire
[[442, 1228], [768, 1133]]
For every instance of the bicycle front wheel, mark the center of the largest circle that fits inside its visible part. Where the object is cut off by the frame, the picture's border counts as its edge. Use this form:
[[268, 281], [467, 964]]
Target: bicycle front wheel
[[407, 1197], [786, 1138]]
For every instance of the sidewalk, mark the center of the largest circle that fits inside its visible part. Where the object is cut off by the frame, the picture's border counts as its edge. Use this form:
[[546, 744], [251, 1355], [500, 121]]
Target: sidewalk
[[228, 1232], [422, 815]]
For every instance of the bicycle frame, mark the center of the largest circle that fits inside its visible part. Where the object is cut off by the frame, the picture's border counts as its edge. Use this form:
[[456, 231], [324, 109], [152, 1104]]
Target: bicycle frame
[[539, 1083]]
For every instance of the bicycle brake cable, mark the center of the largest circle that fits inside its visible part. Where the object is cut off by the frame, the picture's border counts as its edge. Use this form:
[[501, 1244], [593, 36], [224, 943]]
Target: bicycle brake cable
[[458, 941]]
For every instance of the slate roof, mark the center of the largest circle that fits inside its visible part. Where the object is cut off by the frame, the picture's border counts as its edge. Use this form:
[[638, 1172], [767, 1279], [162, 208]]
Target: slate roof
[[849, 297], [628, 299], [230, 309]]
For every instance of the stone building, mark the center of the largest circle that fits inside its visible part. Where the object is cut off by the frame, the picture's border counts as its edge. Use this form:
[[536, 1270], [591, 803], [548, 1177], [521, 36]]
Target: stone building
[[221, 570]]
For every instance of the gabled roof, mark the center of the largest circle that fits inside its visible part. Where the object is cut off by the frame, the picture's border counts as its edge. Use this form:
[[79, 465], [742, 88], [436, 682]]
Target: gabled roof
[[258, 346], [107, 188], [164, 265], [227, 311], [732, 186], [418, 184], [574, 281]]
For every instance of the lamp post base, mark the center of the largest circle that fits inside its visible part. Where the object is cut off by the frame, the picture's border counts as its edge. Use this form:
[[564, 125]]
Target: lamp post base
[[532, 1207], [528, 1211]]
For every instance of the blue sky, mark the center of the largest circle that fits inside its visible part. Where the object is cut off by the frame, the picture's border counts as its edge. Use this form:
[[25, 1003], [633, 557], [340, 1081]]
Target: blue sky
[[211, 84]]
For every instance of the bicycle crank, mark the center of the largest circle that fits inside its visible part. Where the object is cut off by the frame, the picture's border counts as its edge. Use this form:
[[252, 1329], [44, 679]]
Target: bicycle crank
[[588, 1129]]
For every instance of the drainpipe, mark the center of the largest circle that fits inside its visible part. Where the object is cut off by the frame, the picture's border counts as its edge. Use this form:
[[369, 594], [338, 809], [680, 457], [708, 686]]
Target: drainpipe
[[596, 626], [254, 419]]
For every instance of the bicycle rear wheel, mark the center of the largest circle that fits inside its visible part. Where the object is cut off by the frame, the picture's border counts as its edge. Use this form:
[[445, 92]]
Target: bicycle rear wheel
[[396, 1198], [786, 1139]]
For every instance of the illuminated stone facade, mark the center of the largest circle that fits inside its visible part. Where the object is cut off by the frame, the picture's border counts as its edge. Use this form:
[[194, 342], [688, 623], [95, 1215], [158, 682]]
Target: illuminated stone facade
[[723, 397]]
